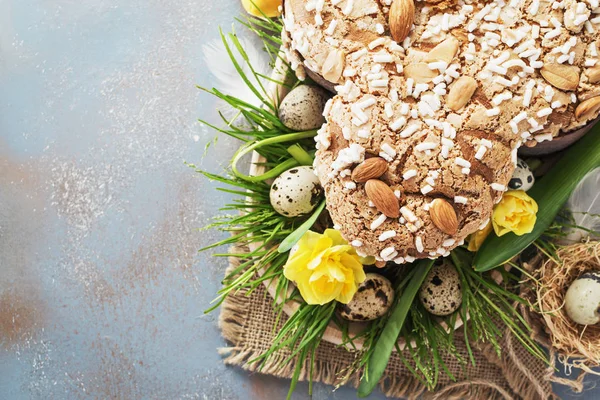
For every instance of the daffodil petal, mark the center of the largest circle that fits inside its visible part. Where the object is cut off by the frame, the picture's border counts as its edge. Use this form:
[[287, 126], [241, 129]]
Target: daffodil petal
[[325, 268]]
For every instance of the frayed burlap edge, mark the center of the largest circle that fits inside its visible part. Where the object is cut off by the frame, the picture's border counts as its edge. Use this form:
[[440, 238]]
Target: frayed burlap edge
[[522, 382]]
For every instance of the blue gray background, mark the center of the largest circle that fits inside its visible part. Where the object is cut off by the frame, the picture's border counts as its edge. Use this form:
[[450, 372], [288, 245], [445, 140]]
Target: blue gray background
[[101, 286]]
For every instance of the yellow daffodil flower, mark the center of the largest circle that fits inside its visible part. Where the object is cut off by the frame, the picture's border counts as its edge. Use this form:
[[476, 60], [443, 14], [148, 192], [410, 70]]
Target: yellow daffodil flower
[[270, 8], [476, 239], [515, 213], [324, 268]]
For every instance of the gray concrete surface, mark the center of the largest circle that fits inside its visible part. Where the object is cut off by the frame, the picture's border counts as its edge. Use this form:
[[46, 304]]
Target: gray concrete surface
[[101, 287]]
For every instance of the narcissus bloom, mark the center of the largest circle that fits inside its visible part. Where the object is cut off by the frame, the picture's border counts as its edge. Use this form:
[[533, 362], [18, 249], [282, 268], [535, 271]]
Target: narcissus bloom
[[324, 268], [515, 213], [270, 8], [476, 239]]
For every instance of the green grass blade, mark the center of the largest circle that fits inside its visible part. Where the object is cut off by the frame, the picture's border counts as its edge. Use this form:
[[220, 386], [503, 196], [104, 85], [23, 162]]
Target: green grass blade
[[293, 237], [300, 154]]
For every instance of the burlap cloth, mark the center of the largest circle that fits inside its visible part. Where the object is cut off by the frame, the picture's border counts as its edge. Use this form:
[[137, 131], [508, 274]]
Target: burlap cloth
[[247, 324]]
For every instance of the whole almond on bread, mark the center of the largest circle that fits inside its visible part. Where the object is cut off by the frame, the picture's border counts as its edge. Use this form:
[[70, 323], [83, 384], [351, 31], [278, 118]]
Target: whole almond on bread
[[401, 18], [383, 197], [371, 168], [443, 216]]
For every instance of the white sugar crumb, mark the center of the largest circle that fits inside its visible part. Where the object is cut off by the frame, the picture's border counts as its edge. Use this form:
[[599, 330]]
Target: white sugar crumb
[[356, 243], [426, 146], [388, 251], [387, 235], [408, 214], [348, 156], [480, 152], [448, 242], [350, 185], [363, 134], [426, 189], [398, 124], [462, 162], [411, 173], [460, 200], [389, 150], [493, 112], [419, 244], [377, 222], [544, 112]]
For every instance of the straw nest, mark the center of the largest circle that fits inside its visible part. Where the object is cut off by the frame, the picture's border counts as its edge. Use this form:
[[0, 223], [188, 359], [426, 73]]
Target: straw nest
[[577, 345]]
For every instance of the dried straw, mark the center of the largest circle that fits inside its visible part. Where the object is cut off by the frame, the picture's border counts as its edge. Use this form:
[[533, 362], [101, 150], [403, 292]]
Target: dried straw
[[577, 345]]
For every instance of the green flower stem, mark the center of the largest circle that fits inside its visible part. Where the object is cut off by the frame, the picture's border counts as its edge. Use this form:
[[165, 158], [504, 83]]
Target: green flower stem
[[274, 172], [386, 342], [300, 155], [265, 142], [550, 193]]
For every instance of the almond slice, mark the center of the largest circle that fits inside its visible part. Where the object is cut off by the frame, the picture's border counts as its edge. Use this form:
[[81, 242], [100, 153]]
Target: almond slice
[[588, 109], [383, 197], [563, 77], [401, 18], [593, 73], [371, 168], [443, 216], [445, 51], [420, 72], [461, 92], [334, 65]]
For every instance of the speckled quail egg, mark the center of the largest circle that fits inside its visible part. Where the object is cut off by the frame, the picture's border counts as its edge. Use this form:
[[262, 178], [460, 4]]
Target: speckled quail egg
[[373, 298], [582, 301], [296, 192], [302, 108], [441, 293], [522, 178]]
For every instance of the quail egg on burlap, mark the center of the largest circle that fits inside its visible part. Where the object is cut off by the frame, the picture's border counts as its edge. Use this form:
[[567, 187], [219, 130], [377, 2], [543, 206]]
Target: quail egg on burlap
[[372, 300], [522, 178], [302, 108], [441, 293], [296, 192], [582, 301]]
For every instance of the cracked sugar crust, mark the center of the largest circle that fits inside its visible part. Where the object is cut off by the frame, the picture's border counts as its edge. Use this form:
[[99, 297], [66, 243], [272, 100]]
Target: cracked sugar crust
[[392, 102]]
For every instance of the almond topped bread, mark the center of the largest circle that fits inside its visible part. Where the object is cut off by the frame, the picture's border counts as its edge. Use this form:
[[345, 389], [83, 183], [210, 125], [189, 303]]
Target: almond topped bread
[[443, 110]]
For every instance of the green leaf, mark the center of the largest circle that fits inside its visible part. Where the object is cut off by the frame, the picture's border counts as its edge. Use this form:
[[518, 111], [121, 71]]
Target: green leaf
[[293, 237], [550, 193], [386, 342]]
